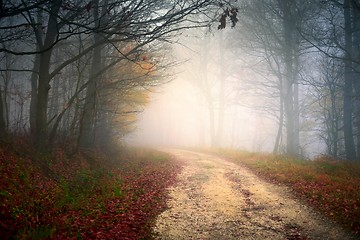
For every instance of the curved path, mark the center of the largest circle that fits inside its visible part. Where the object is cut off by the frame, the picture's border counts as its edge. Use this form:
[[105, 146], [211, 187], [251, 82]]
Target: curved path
[[216, 199]]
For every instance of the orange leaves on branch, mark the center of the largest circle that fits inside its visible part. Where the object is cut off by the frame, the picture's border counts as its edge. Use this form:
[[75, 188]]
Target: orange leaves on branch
[[144, 66]]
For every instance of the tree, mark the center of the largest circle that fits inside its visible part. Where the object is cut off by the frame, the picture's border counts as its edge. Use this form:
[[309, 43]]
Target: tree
[[87, 129], [208, 71], [272, 31], [356, 57], [348, 86], [329, 97], [44, 77], [336, 35], [2, 120]]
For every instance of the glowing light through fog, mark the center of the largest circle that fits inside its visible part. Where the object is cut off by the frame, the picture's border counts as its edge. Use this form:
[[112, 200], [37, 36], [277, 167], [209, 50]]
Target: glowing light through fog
[[179, 114], [176, 118]]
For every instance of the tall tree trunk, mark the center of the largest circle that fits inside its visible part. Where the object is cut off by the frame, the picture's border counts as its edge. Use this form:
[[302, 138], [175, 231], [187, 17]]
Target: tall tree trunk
[[288, 30], [87, 131], [204, 86], [54, 100], [357, 114], [35, 75], [5, 96], [348, 86], [296, 105], [2, 119], [334, 123], [356, 67], [42, 101], [34, 88], [44, 78], [222, 78], [281, 117]]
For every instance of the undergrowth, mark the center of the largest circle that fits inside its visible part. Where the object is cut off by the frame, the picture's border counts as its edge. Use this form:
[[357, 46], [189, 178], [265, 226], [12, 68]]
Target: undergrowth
[[90, 195]]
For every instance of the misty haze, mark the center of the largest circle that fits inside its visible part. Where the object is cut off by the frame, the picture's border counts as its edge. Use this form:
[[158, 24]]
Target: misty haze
[[179, 119]]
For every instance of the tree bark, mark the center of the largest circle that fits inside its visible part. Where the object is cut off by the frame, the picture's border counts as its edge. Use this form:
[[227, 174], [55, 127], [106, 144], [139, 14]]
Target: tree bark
[[334, 122], [35, 75], [44, 78], [356, 67], [87, 131], [348, 86], [288, 31], [296, 105], [33, 101], [2, 119]]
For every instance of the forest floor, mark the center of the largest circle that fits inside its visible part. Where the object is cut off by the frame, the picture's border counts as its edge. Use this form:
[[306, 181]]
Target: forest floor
[[87, 195], [217, 199]]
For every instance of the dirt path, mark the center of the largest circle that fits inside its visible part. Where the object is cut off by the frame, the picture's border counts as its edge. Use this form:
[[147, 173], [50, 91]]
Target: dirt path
[[216, 199]]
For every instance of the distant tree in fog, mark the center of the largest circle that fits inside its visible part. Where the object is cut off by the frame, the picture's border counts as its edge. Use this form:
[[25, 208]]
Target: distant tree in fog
[[335, 33], [208, 72], [271, 30]]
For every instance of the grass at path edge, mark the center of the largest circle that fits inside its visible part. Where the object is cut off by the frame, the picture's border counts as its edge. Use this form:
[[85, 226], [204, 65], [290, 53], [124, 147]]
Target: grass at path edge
[[329, 185]]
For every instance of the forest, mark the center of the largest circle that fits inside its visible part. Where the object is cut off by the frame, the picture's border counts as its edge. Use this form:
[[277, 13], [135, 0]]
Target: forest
[[89, 88], [82, 72]]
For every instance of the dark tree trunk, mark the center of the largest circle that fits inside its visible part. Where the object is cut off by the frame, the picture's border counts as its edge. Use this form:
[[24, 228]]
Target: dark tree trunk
[[44, 78], [357, 114], [334, 123], [296, 105], [35, 75], [87, 130], [348, 86], [34, 88], [2, 119], [356, 67], [288, 30], [42, 102]]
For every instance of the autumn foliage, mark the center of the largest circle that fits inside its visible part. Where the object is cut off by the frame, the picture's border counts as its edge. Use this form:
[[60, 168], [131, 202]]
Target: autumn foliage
[[90, 195], [329, 185]]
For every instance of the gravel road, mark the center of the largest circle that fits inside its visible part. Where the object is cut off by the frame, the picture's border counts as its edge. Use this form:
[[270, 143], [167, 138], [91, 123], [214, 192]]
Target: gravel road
[[216, 199]]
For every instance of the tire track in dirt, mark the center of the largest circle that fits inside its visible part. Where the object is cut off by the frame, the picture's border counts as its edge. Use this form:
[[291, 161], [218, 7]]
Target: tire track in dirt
[[216, 199]]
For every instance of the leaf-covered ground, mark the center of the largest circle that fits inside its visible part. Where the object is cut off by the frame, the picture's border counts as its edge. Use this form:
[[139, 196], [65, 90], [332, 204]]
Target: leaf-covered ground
[[86, 196], [329, 185]]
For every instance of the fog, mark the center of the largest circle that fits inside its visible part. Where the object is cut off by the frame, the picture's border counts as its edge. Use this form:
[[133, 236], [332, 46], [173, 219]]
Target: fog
[[178, 113], [176, 118], [251, 75], [212, 75]]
